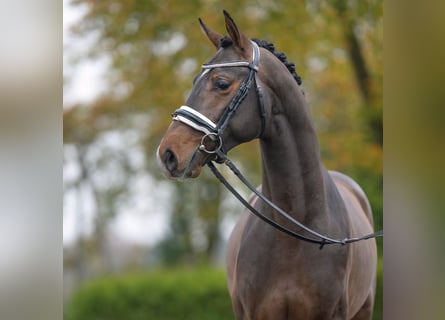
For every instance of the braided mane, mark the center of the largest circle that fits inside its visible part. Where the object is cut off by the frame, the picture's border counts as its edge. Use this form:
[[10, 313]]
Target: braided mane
[[281, 56], [226, 41]]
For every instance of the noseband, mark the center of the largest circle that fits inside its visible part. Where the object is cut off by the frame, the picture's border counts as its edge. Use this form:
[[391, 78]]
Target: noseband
[[212, 131]]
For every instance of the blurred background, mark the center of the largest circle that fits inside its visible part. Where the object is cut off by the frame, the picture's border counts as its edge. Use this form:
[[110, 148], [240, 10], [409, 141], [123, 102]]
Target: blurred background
[[132, 237]]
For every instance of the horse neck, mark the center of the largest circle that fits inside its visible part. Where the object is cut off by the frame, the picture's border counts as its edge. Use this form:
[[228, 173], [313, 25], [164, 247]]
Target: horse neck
[[293, 175]]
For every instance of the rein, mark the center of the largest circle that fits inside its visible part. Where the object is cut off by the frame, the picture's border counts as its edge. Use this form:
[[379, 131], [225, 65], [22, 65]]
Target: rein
[[213, 131], [322, 239]]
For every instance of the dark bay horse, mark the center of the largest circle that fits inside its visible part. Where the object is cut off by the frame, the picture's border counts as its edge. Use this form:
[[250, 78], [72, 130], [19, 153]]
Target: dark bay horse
[[247, 91]]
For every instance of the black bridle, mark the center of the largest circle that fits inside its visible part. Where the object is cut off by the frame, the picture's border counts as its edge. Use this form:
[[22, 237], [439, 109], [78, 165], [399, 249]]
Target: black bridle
[[212, 131]]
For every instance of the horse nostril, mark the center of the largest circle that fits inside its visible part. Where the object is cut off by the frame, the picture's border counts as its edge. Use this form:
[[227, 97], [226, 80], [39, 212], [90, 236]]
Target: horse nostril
[[170, 161]]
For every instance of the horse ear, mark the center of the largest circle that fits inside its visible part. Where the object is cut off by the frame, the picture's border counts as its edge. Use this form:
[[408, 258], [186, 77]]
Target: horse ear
[[213, 36], [238, 38]]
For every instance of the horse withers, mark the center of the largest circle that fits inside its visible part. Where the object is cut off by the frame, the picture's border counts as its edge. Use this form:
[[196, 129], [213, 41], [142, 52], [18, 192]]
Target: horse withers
[[248, 91]]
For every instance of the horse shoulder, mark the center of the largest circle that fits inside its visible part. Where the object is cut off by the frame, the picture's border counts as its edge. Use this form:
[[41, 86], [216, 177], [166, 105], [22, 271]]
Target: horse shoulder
[[345, 183]]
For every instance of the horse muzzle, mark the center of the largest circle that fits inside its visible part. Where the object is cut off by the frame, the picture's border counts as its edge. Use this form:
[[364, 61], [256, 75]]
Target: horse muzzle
[[174, 168]]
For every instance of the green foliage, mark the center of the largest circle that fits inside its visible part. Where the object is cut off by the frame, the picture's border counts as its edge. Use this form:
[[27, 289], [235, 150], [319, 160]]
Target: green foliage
[[167, 294]]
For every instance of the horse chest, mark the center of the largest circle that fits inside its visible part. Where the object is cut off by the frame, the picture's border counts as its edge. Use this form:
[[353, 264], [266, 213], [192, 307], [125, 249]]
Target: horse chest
[[285, 278]]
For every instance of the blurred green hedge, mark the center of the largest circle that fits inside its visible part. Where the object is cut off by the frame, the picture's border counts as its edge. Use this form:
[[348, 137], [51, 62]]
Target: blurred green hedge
[[167, 294]]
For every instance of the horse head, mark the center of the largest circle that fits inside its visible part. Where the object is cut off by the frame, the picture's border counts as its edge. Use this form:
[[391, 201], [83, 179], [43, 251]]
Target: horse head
[[208, 122]]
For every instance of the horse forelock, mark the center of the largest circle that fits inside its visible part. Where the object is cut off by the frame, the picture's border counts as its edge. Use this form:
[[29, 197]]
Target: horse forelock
[[225, 42]]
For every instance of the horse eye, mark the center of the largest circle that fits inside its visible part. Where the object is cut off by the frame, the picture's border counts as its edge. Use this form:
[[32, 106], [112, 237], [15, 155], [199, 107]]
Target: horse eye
[[221, 84]]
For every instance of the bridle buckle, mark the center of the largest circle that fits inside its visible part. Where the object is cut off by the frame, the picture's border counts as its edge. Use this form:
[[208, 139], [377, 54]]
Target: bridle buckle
[[211, 138]]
